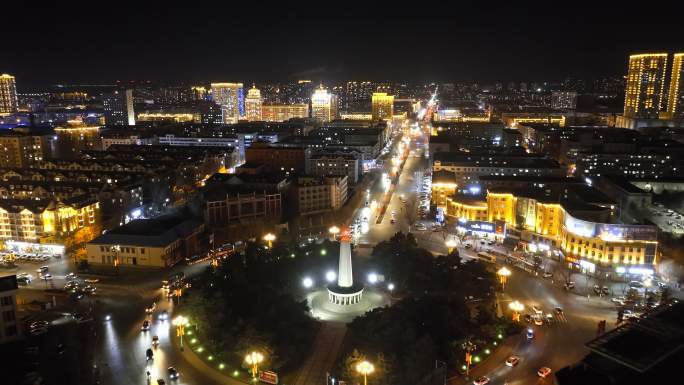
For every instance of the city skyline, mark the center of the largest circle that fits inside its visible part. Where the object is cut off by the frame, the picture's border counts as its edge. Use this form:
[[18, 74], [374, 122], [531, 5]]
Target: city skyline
[[534, 43]]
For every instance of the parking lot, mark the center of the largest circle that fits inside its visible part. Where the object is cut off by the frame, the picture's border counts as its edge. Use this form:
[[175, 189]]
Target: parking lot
[[667, 220]]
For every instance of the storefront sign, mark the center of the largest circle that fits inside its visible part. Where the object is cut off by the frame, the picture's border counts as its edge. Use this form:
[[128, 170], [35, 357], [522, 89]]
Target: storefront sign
[[268, 377]]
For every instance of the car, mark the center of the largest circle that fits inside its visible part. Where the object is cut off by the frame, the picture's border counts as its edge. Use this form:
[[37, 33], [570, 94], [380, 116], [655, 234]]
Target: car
[[155, 340], [393, 221], [636, 285], [529, 334], [538, 320], [547, 275], [71, 285], [537, 309], [481, 380], [468, 246], [38, 324], [150, 309], [90, 289], [23, 281], [543, 371], [558, 310], [618, 300], [173, 373], [46, 276], [569, 285], [165, 284], [77, 295], [160, 381], [491, 243], [512, 361], [38, 331], [70, 277], [145, 326], [597, 289]]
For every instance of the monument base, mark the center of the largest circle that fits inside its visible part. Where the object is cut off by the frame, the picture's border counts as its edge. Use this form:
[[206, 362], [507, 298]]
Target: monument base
[[345, 295]]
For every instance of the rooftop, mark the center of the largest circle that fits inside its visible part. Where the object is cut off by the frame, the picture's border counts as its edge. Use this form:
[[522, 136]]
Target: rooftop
[[157, 232]]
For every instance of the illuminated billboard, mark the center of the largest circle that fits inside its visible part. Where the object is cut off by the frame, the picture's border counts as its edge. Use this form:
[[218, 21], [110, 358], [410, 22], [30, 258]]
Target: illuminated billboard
[[610, 232], [498, 227]]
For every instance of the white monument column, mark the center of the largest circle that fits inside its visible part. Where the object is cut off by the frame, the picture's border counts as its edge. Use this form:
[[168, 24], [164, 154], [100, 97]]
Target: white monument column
[[344, 274]]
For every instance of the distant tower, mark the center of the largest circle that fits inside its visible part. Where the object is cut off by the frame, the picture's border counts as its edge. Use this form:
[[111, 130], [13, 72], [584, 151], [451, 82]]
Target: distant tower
[[231, 99], [253, 105], [345, 292], [118, 108], [675, 103], [322, 105], [382, 106], [8, 94]]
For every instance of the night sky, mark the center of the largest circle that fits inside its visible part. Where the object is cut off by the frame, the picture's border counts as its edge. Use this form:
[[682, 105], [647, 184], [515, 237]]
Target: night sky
[[102, 41]]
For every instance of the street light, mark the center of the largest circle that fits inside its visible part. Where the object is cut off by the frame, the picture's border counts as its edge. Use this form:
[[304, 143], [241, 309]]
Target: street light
[[307, 282], [180, 322], [254, 359], [334, 230], [451, 245], [270, 237], [517, 308], [330, 276], [503, 274], [365, 368]]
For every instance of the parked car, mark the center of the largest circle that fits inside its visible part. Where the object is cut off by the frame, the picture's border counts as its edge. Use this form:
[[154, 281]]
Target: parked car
[[547, 275]]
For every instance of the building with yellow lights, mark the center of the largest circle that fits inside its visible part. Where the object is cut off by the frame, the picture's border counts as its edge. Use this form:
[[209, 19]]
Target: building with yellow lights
[[382, 106], [253, 105], [21, 150], [47, 221], [323, 105], [645, 85], [284, 112], [170, 116], [675, 101], [513, 119], [8, 95], [585, 233], [230, 96]]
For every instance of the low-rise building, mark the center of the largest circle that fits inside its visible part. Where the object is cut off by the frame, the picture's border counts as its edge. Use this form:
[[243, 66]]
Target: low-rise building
[[468, 167], [320, 194], [160, 242], [335, 163]]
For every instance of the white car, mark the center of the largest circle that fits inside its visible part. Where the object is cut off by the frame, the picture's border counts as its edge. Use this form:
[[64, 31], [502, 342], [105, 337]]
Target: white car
[[512, 361], [537, 309], [481, 380], [543, 371]]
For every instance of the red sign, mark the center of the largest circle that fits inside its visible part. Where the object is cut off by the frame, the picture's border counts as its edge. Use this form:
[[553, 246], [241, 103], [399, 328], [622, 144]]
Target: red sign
[[268, 377]]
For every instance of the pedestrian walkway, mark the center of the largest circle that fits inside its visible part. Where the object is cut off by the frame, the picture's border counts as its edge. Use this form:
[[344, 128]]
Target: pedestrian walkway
[[323, 355]]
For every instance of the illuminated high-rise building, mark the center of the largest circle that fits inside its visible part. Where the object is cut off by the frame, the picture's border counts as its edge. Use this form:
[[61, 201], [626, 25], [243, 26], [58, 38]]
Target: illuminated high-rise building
[[8, 94], [382, 107], [253, 104], [118, 108], [645, 85], [323, 105], [675, 102], [230, 96], [283, 112]]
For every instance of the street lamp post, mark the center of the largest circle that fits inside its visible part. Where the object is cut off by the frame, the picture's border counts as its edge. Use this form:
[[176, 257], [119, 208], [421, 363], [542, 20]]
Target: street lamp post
[[180, 322], [270, 237], [365, 368], [334, 230], [503, 274], [517, 308], [451, 245], [254, 359]]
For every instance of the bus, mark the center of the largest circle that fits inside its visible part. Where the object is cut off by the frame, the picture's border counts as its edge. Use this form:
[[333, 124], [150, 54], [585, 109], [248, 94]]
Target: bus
[[486, 257]]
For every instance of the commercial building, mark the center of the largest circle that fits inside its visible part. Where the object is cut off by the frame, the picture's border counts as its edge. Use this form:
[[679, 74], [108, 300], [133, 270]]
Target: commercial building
[[576, 220], [20, 150], [645, 86], [8, 95], [382, 106], [9, 323], [253, 105], [564, 100], [237, 204], [175, 116], [284, 112], [675, 100], [160, 242], [323, 105], [230, 96], [118, 108], [468, 167], [320, 194], [109, 138]]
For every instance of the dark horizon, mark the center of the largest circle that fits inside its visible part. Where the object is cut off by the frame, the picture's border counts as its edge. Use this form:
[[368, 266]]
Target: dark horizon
[[226, 42]]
